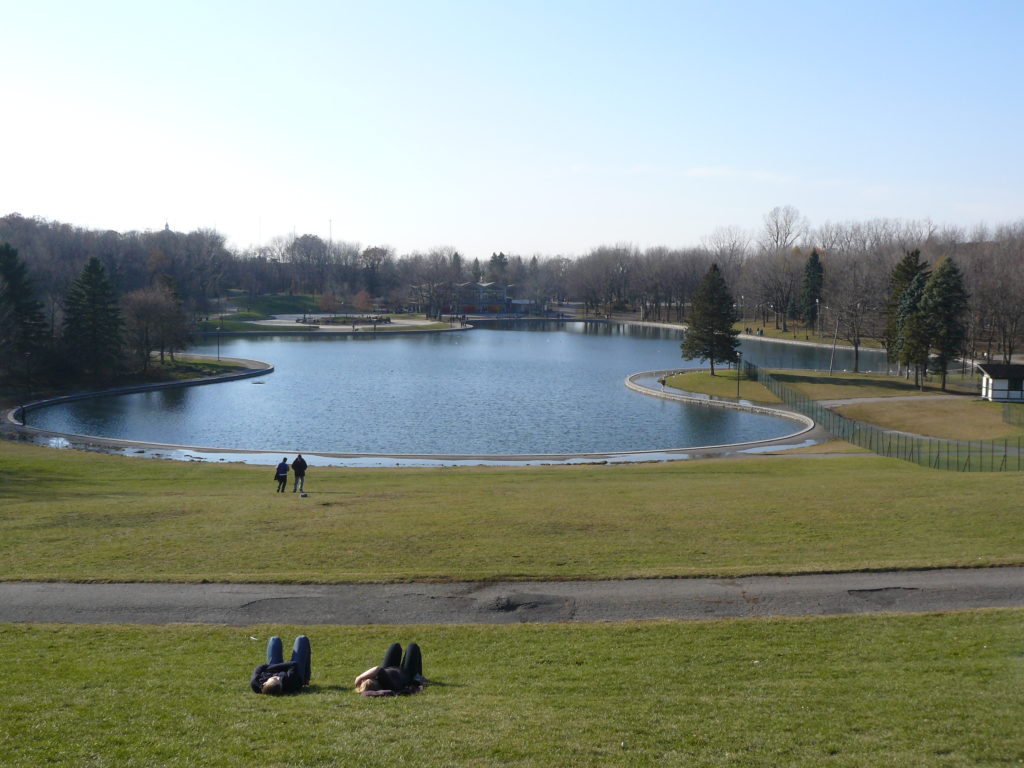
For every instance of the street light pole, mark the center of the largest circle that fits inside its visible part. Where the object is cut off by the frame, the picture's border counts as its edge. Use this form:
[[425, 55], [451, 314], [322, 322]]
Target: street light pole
[[835, 338], [28, 388]]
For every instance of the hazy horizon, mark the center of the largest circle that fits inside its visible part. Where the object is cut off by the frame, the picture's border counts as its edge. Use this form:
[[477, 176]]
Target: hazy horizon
[[526, 128]]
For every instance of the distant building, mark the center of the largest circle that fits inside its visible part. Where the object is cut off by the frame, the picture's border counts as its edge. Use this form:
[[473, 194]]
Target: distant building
[[1002, 383], [487, 299], [470, 299], [480, 298]]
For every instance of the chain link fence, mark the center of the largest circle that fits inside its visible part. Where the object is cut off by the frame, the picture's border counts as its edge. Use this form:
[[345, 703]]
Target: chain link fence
[[1013, 413], [959, 455]]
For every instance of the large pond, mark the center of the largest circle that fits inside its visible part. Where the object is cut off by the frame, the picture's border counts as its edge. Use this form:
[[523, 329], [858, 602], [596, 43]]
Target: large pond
[[553, 388]]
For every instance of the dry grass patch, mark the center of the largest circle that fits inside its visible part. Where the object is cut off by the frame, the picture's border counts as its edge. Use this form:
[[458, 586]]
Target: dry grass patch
[[818, 385], [953, 418]]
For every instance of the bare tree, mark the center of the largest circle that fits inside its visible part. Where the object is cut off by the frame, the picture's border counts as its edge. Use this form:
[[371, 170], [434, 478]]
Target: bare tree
[[784, 229], [777, 277], [155, 320], [993, 277], [855, 295]]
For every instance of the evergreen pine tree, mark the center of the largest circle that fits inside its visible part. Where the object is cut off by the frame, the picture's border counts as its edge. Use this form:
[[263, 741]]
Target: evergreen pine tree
[[943, 303], [22, 323], [912, 332], [902, 275], [92, 323], [810, 289], [710, 334]]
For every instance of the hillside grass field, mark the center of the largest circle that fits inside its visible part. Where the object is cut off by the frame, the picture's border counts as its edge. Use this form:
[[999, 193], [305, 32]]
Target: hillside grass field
[[871, 690], [79, 516]]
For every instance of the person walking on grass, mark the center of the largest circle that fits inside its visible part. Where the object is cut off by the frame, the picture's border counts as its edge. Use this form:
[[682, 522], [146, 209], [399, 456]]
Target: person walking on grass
[[281, 475], [299, 468], [278, 676]]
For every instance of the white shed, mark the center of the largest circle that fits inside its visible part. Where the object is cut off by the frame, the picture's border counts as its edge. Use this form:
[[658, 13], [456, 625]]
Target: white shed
[[1002, 383]]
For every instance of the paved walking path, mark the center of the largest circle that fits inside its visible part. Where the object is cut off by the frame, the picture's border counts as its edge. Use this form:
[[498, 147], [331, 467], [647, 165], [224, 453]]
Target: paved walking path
[[513, 602]]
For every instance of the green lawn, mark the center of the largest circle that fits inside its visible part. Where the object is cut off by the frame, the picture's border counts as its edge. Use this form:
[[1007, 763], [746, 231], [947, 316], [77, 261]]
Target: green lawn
[[797, 332], [71, 515], [871, 690], [188, 367], [278, 304], [722, 384]]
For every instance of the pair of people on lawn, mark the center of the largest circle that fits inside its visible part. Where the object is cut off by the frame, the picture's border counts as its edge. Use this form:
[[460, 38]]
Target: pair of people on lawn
[[397, 674]]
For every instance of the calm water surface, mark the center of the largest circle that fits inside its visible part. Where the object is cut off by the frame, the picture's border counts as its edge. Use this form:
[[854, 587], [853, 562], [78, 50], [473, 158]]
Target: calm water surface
[[556, 388]]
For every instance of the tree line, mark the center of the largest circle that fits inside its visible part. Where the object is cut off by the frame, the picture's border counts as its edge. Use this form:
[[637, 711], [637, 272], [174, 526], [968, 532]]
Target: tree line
[[100, 336], [835, 278], [926, 315]]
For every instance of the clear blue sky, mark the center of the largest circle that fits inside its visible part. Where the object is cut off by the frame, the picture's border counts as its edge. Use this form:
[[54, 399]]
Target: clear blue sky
[[528, 127]]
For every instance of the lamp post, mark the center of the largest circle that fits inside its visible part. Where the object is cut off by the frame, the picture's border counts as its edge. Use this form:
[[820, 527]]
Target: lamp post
[[739, 367], [28, 388], [835, 339]]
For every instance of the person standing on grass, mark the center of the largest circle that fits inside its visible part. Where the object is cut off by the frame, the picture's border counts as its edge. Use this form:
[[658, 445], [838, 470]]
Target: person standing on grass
[[299, 468], [281, 475], [278, 676]]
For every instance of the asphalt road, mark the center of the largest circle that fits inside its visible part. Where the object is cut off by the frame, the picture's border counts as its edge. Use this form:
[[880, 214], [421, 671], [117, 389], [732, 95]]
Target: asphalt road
[[513, 602]]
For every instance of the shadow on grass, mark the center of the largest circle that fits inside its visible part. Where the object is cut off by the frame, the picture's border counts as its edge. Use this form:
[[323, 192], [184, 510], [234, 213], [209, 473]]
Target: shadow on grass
[[32, 483]]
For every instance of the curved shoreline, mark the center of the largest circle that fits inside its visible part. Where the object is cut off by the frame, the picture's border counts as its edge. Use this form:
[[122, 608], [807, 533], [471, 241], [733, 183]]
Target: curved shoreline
[[253, 368], [710, 401], [258, 368]]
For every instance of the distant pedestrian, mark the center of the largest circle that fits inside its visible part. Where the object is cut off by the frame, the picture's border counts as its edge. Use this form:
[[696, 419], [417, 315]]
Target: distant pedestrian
[[281, 475], [299, 468]]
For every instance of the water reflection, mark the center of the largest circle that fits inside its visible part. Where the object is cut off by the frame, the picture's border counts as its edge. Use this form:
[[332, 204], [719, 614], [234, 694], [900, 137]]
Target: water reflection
[[550, 388]]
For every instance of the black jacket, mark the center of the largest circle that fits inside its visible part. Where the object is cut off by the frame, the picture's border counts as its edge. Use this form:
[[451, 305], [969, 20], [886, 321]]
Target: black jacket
[[291, 678], [392, 681], [299, 466]]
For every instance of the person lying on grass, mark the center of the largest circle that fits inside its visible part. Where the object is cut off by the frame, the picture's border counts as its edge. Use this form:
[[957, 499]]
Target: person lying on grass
[[396, 675], [278, 676]]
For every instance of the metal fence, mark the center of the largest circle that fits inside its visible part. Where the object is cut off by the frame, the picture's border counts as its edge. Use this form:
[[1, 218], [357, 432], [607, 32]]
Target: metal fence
[[1013, 413], [959, 455]]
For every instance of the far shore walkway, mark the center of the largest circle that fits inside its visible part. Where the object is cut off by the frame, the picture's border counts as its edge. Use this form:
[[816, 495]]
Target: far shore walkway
[[514, 602]]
